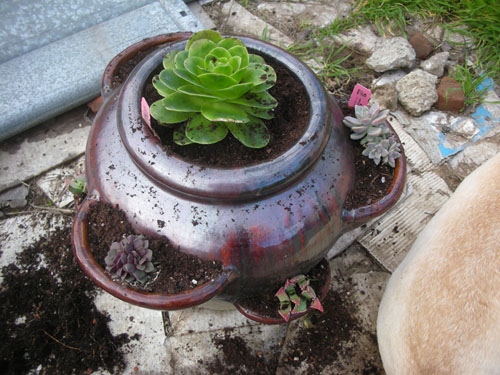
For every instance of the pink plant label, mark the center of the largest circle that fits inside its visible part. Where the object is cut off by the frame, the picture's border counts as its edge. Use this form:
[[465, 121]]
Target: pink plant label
[[360, 96], [146, 116]]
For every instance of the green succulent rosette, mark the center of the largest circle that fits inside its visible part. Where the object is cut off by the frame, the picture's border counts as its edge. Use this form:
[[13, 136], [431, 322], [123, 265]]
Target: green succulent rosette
[[214, 87]]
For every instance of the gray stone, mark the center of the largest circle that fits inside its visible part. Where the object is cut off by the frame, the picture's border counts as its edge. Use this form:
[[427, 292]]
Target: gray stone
[[361, 39], [392, 54], [15, 197], [36, 151], [435, 64], [240, 21], [311, 12], [417, 91], [386, 96]]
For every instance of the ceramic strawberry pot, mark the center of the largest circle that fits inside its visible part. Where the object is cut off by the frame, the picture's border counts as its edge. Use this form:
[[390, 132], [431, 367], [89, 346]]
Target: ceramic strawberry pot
[[265, 222]]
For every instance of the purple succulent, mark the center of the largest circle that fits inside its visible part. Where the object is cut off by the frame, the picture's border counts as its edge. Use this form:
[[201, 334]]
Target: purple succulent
[[130, 259]]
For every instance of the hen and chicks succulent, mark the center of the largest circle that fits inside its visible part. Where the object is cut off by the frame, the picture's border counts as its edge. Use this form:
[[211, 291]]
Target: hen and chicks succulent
[[212, 88], [370, 128], [130, 259]]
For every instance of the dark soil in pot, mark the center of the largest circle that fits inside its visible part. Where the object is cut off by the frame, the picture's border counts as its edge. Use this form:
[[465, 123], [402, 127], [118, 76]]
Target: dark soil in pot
[[49, 320], [175, 271], [290, 121]]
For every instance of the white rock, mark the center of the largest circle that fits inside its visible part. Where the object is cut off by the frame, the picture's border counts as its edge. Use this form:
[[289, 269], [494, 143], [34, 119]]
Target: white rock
[[417, 91], [315, 13], [362, 39], [435, 64], [392, 54], [241, 21], [388, 78]]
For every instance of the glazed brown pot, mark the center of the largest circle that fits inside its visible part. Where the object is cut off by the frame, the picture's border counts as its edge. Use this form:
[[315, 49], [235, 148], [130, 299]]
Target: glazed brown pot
[[265, 222]]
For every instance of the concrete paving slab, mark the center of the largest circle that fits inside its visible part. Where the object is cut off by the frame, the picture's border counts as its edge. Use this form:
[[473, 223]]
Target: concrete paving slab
[[15, 197], [66, 73], [192, 353], [205, 320], [201, 15], [55, 183], [391, 237], [146, 352], [21, 231], [31, 153]]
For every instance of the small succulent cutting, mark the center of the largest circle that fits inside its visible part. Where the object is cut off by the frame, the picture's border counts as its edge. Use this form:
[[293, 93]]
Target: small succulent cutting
[[130, 259], [212, 88], [300, 294], [78, 185], [370, 128]]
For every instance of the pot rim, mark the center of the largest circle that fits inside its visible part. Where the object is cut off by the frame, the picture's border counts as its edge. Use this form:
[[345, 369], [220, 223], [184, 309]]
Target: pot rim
[[251, 182]]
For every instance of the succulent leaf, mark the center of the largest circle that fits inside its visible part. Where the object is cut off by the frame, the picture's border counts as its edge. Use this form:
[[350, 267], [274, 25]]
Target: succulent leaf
[[78, 185], [300, 307], [166, 116], [203, 131], [285, 313], [210, 35], [254, 134], [298, 291], [180, 136], [222, 111], [316, 304]]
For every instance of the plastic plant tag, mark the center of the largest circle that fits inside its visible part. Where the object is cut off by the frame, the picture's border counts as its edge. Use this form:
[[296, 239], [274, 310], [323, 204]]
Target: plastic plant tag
[[146, 116], [360, 96]]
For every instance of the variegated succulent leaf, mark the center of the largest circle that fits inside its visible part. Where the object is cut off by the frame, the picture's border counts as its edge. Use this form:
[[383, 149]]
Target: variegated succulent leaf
[[212, 88], [297, 291], [130, 259]]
